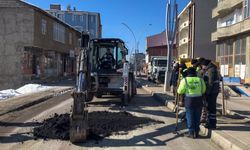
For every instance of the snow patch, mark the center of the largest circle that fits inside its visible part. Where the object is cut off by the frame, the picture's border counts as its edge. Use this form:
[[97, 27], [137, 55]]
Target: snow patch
[[26, 89]]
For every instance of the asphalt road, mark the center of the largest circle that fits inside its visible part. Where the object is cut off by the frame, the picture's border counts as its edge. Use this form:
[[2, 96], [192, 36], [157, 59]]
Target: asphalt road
[[16, 128]]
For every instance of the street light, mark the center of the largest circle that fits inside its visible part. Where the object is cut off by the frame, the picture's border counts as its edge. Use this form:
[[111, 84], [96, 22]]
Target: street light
[[171, 20], [136, 46]]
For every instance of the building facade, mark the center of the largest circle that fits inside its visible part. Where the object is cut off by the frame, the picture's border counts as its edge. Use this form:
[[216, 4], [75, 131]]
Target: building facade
[[157, 46], [232, 38], [80, 20], [34, 45], [194, 29]]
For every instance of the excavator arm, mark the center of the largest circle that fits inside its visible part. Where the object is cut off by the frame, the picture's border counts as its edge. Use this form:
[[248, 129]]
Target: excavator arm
[[79, 116]]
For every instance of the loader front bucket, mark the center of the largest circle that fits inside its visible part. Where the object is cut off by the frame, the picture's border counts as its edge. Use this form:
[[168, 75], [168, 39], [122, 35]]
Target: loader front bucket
[[79, 118]]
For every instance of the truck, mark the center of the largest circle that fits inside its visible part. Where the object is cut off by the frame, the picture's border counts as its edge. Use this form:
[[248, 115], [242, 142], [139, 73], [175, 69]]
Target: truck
[[97, 76], [157, 68]]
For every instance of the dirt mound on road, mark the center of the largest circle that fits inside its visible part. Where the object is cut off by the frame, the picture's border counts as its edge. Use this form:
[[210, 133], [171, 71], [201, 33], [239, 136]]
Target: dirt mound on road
[[101, 124]]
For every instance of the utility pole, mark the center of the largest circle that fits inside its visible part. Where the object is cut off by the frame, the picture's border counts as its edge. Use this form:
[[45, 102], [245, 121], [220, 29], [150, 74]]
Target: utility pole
[[171, 22]]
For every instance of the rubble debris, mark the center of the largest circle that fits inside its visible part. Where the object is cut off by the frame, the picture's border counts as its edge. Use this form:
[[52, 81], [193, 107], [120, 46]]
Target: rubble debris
[[101, 123]]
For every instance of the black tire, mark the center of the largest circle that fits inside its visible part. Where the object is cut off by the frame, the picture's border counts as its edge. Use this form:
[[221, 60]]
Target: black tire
[[90, 97], [98, 95], [125, 99]]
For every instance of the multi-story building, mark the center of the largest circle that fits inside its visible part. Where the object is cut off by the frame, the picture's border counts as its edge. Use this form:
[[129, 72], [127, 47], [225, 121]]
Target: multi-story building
[[157, 46], [233, 37], [194, 29], [34, 44], [80, 20]]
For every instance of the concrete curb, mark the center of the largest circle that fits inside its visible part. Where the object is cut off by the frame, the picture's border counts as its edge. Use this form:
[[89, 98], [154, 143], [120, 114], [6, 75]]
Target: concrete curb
[[170, 105], [53, 93], [225, 141]]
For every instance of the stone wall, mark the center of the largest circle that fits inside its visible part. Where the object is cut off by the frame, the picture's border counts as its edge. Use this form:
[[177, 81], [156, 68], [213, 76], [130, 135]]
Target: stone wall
[[16, 31]]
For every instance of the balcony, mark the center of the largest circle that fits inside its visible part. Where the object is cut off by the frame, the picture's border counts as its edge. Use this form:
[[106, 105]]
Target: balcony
[[235, 29], [225, 6], [183, 41], [184, 25]]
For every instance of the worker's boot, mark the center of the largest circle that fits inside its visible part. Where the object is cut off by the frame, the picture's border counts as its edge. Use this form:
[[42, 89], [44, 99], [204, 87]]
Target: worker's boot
[[189, 135]]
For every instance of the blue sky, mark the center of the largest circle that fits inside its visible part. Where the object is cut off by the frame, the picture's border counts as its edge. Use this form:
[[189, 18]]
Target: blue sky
[[137, 14]]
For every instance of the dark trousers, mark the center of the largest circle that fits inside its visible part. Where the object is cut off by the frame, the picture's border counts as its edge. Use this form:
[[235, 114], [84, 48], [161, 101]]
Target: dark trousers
[[174, 90], [193, 115], [204, 110], [211, 108]]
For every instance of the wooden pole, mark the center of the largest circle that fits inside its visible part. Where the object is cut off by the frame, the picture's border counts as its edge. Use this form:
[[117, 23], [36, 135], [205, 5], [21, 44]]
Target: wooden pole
[[223, 99]]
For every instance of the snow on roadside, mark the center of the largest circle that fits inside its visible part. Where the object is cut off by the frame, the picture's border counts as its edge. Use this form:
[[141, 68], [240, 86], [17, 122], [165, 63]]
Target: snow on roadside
[[31, 88], [26, 89], [8, 94]]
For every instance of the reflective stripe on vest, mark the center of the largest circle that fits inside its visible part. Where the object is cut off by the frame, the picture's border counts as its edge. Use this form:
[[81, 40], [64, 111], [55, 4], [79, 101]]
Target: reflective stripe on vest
[[193, 95]]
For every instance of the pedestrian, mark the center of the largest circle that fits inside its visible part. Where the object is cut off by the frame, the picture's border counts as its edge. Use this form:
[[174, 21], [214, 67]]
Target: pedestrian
[[212, 79], [193, 87], [174, 78]]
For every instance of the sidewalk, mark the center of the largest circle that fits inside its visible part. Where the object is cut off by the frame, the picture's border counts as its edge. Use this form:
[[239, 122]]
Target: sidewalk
[[25, 101], [232, 133]]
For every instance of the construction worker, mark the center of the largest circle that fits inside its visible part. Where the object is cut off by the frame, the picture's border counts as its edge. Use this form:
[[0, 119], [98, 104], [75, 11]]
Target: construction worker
[[193, 87], [212, 79], [196, 63], [174, 77], [183, 74], [107, 60], [183, 70]]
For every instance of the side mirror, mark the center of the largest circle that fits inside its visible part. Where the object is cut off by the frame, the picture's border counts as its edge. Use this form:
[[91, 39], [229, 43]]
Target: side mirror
[[85, 40]]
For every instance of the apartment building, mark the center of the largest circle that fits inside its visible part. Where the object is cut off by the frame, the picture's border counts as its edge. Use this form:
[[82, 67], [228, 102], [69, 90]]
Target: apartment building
[[194, 29], [34, 45], [80, 20], [232, 38]]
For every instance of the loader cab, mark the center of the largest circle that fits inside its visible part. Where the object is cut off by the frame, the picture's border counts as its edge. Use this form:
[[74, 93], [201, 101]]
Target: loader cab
[[101, 52]]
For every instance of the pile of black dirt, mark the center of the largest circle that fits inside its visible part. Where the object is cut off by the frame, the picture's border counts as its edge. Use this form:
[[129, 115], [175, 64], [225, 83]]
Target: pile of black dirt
[[56, 127], [101, 123]]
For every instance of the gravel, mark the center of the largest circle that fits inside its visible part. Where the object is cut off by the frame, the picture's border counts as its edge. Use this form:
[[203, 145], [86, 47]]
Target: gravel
[[101, 124]]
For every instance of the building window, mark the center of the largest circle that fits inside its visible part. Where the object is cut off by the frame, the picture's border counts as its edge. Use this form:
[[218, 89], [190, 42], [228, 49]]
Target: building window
[[70, 38], [81, 18], [232, 57], [74, 17], [92, 19], [246, 7], [58, 33], [79, 28], [60, 16], [240, 51], [43, 27]]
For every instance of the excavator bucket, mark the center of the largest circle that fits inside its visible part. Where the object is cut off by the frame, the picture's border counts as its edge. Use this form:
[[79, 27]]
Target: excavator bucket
[[79, 118]]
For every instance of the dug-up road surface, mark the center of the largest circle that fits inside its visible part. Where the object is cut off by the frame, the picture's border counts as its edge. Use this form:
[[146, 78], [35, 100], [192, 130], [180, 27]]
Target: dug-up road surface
[[16, 129]]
